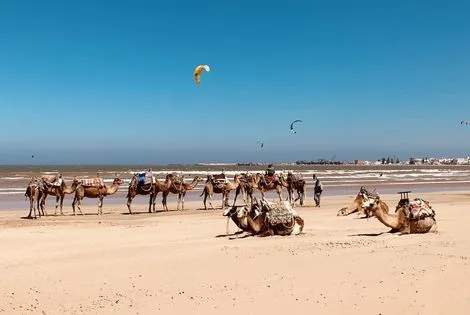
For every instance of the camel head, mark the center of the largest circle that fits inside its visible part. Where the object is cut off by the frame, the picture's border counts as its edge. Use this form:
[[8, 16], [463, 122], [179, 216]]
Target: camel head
[[117, 181], [239, 211], [370, 204]]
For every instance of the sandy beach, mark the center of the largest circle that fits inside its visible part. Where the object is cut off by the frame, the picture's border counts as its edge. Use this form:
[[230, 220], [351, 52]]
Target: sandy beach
[[182, 262]]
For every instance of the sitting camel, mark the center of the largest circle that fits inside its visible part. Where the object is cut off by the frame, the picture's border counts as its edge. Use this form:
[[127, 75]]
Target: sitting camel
[[276, 184], [298, 184], [59, 192], [263, 219], [180, 188], [224, 188], [32, 193], [149, 189], [414, 217], [94, 192], [356, 206]]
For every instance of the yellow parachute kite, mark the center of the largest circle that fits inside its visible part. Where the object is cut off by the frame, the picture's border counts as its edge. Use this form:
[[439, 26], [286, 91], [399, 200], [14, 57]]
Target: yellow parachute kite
[[197, 72]]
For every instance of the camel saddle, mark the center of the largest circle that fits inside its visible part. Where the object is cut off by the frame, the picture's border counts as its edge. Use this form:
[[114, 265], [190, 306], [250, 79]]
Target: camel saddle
[[51, 180], [92, 182], [419, 209], [218, 179], [279, 214], [270, 179]]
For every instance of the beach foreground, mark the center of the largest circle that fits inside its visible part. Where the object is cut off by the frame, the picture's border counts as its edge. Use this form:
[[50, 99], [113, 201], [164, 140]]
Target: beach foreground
[[181, 262]]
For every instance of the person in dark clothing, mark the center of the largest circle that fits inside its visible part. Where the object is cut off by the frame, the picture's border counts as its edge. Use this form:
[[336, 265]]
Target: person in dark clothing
[[317, 190], [270, 171]]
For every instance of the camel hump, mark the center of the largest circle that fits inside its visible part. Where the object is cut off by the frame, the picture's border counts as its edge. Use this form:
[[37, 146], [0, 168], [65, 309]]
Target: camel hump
[[92, 182]]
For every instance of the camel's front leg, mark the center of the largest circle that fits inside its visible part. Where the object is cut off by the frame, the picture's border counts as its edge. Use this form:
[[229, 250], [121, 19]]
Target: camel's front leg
[[210, 202], [150, 203], [279, 193], [79, 205], [56, 203], [100, 205], [61, 204], [129, 203], [182, 200], [164, 201]]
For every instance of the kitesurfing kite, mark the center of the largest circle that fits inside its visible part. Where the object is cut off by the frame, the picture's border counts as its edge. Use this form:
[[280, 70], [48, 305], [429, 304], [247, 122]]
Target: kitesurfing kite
[[197, 72], [292, 125], [261, 143], [464, 122]]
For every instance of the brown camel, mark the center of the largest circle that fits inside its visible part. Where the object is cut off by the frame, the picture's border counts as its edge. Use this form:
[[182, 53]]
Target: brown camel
[[274, 220], [152, 190], [59, 192], [248, 183], [179, 188], [277, 184], [356, 206], [405, 220], [94, 192], [32, 193], [298, 184], [212, 187]]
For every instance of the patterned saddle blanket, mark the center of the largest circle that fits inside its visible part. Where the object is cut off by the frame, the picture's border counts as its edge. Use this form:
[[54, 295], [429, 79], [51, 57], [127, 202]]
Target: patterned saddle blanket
[[419, 209], [280, 214], [92, 182]]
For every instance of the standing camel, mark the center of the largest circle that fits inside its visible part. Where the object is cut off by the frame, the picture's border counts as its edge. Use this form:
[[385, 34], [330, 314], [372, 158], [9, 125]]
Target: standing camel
[[179, 188], [58, 191], [94, 192], [298, 184], [219, 188], [32, 193], [248, 183], [152, 190], [276, 185]]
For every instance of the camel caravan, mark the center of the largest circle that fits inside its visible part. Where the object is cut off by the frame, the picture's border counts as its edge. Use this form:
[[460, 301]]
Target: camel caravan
[[257, 217], [145, 183]]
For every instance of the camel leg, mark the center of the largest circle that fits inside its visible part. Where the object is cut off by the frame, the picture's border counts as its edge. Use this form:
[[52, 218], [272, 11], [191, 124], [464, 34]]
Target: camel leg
[[43, 204], [279, 192], [150, 203], [79, 205], [210, 202], [56, 204], [30, 206], [100, 205], [182, 200], [33, 203], [129, 202], [165, 205], [61, 204], [74, 202]]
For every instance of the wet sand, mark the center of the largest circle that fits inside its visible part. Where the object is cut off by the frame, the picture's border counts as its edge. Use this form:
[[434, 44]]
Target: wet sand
[[182, 262]]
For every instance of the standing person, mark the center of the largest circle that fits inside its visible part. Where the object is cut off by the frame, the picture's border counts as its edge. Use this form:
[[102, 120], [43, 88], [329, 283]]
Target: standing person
[[317, 190]]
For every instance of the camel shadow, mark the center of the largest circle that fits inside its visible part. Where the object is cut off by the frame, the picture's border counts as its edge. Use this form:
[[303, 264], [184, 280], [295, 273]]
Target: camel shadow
[[29, 218], [143, 212], [368, 234], [229, 235]]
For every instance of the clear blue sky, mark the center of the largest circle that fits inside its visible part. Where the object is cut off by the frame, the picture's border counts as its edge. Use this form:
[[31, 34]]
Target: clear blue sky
[[111, 81]]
